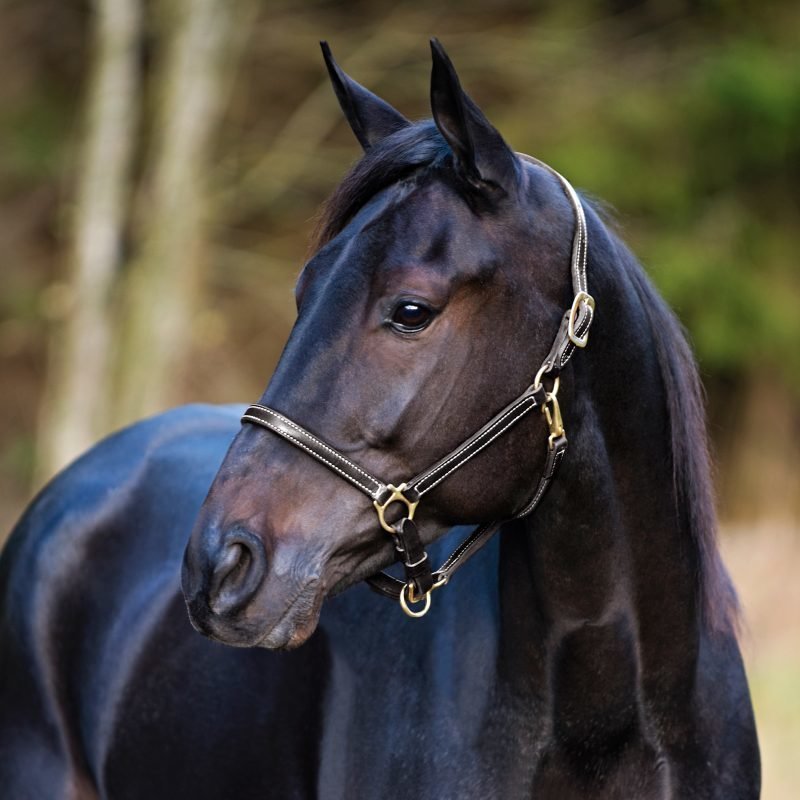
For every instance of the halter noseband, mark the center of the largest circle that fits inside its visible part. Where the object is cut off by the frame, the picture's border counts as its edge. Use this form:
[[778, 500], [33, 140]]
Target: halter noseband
[[420, 579]]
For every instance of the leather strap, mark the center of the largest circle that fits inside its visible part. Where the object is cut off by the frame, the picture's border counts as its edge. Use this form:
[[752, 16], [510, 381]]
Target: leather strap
[[531, 398], [555, 455], [415, 560], [327, 455], [580, 238], [581, 314], [379, 491]]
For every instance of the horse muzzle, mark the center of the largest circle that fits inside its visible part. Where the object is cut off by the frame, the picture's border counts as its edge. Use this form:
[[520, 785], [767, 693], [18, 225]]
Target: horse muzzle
[[235, 595]]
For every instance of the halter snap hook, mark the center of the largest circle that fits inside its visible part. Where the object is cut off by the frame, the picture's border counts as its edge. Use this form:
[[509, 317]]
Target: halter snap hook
[[554, 421]]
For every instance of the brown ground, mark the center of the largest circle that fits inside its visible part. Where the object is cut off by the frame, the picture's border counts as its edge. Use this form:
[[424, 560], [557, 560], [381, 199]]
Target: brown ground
[[765, 563]]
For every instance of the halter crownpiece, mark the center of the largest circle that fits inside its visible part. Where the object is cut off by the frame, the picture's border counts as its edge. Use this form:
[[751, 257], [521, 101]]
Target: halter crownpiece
[[420, 579]]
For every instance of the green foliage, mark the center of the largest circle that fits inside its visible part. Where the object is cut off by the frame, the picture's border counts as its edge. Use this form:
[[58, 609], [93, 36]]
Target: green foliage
[[700, 156], [727, 265], [34, 136], [744, 106]]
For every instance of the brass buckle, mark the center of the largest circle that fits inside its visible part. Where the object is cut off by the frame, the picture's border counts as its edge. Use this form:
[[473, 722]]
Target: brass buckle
[[581, 297], [396, 496]]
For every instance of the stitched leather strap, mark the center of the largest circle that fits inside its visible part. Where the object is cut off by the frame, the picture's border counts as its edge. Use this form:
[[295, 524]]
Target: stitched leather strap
[[297, 435], [555, 455], [418, 572], [583, 308], [580, 238], [531, 398], [324, 453]]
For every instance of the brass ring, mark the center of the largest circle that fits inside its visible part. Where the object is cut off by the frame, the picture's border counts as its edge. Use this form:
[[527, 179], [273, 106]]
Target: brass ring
[[404, 603], [537, 381]]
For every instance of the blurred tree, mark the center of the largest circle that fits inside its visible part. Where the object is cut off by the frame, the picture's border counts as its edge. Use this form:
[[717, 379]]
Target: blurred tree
[[76, 395], [126, 327], [163, 278]]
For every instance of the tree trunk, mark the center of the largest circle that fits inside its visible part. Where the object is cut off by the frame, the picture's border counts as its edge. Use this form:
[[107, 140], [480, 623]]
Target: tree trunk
[[77, 385], [163, 280]]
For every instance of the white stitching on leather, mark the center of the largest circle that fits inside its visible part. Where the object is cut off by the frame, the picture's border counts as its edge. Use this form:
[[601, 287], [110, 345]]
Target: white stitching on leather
[[467, 545], [485, 444], [314, 438], [535, 502], [543, 484], [581, 237], [422, 478], [298, 443]]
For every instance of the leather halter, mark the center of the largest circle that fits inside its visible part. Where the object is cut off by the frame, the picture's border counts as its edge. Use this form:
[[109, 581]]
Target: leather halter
[[420, 579]]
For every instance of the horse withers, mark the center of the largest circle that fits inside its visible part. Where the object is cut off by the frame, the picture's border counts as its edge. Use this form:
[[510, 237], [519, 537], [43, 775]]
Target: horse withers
[[587, 651]]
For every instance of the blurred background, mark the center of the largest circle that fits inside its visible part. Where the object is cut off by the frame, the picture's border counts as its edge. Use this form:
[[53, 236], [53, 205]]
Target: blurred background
[[161, 163]]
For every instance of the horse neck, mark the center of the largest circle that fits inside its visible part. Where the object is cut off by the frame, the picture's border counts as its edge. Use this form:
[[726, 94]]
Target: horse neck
[[598, 589]]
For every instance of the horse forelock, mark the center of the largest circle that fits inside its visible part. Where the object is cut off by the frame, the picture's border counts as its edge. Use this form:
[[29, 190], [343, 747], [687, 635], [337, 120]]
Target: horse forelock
[[393, 159]]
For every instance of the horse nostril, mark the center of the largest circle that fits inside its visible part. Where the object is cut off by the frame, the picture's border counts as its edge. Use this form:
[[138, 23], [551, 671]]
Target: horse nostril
[[238, 573], [235, 560]]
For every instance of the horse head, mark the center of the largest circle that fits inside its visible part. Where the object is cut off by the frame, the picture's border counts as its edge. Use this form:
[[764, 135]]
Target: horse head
[[440, 278]]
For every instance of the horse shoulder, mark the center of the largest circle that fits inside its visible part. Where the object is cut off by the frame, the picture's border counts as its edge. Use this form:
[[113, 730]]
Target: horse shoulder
[[94, 557]]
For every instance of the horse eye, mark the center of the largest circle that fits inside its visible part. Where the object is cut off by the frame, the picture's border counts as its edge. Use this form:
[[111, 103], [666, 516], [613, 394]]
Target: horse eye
[[411, 316]]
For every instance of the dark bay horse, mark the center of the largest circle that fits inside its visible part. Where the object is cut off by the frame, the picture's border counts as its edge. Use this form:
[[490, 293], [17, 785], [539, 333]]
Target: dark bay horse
[[588, 650]]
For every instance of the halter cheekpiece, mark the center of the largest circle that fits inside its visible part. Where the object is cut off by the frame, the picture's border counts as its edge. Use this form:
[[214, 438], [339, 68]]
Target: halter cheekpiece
[[414, 593]]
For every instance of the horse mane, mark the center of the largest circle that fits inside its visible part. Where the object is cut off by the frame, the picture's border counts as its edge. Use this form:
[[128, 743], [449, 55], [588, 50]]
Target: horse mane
[[419, 148], [690, 452]]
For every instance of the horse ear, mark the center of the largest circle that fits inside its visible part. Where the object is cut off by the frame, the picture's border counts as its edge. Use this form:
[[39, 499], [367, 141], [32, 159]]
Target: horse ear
[[477, 145], [371, 118]]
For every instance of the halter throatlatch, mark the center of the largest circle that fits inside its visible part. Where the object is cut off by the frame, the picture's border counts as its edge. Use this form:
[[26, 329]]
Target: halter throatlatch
[[414, 593]]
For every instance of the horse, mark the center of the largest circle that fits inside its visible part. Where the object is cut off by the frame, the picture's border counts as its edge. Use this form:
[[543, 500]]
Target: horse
[[587, 650]]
